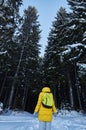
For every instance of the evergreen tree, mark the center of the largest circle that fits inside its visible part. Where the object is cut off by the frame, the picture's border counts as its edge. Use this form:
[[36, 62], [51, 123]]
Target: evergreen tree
[[53, 67], [79, 22], [28, 72], [8, 48]]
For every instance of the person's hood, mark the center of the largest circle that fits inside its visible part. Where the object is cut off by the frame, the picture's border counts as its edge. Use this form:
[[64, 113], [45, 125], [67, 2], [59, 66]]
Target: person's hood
[[46, 89]]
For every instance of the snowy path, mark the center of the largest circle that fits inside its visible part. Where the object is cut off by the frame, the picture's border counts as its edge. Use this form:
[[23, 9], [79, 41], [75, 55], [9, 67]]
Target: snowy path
[[21, 121], [18, 123]]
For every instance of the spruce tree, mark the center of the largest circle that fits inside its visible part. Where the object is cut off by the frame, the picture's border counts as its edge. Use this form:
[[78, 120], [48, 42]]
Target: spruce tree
[[8, 48], [53, 62], [28, 72], [78, 20]]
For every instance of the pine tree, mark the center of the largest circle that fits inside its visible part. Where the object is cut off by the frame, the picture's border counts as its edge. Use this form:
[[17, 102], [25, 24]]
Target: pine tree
[[8, 24], [53, 62], [28, 73], [78, 20]]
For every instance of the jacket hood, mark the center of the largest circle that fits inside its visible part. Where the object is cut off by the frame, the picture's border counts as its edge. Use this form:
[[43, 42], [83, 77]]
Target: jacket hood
[[46, 89]]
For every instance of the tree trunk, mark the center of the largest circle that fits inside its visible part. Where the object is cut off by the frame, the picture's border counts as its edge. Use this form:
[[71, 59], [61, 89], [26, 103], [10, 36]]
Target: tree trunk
[[14, 81], [25, 97], [3, 84], [77, 88], [70, 91]]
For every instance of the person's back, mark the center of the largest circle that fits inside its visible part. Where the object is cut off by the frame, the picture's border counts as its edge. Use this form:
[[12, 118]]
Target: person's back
[[44, 113]]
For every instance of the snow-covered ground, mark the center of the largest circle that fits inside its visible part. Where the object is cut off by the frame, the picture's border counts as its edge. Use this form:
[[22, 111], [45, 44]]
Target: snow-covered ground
[[26, 121]]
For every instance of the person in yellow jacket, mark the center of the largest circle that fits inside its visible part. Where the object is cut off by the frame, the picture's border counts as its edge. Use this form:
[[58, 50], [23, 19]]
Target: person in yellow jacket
[[44, 114]]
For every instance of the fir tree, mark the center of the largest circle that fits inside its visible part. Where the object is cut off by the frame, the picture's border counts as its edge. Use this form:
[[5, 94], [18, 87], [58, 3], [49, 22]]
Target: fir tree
[[8, 24], [53, 62], [28, 72], [79, 22]]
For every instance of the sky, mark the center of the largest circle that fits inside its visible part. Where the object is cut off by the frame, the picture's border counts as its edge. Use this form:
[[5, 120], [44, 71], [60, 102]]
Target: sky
[[25, 121], [47, 10]]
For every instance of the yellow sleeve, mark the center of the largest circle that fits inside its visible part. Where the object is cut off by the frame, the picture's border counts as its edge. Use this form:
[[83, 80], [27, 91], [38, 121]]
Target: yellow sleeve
[[54, 107], [38, 103]]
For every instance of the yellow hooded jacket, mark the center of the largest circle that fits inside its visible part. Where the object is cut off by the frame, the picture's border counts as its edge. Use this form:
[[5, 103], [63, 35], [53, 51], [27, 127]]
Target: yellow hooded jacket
[[44, 114]]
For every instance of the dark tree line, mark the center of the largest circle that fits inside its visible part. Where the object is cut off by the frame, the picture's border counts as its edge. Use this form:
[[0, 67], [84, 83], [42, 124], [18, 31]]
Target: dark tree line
[[64, 60], [23, 72]]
